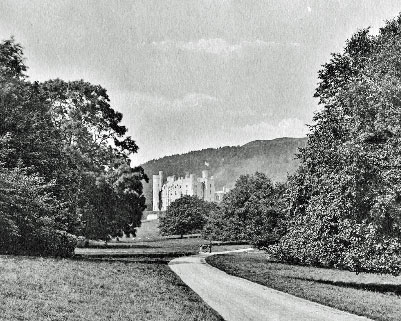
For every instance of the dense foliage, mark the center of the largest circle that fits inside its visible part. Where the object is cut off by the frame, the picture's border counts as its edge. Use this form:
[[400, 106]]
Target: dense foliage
[[64, 159], [185, 215], [252, 211], [346, 195], [27, 216]]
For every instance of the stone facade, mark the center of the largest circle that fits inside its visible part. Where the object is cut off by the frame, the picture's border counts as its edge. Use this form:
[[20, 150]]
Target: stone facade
[[220, 194], [164, 193]]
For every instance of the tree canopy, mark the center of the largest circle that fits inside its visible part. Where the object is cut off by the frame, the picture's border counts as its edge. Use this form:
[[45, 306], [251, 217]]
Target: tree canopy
[[65, 138], [345, 197], [252, 211], [185, 215]]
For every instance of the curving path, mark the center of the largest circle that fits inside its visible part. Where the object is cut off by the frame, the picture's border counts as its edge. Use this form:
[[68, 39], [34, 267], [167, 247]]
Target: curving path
[[237, 299]]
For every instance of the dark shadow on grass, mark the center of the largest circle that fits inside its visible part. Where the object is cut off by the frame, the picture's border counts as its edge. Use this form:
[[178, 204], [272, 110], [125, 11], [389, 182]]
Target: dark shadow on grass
[[374, 287], [163, 258], [163, 261], [121, 246]]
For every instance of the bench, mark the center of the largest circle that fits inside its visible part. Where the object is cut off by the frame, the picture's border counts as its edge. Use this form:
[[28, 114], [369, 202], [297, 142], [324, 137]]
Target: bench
[[205, 248]]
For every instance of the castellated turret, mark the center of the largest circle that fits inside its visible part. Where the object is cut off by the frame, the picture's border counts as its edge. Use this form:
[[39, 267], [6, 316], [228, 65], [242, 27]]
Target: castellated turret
[[157, 187]]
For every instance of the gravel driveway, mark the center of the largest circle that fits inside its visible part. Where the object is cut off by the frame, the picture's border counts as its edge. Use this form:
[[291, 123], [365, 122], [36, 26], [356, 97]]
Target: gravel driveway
[[239, 299]]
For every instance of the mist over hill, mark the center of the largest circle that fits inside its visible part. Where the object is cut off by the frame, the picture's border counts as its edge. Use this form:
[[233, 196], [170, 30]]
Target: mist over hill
[[274, 157]]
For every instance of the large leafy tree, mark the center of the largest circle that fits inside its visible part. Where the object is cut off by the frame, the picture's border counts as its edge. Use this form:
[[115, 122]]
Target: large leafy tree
[[28, 212], [345, 197], [24, 118], [30, 153], [253, 211], [97, 147], [67, 135], [184, 216], [116, 203], [88, 123]]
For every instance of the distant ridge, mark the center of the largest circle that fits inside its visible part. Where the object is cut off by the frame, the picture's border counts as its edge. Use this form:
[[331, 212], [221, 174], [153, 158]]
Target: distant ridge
[[274, 157]]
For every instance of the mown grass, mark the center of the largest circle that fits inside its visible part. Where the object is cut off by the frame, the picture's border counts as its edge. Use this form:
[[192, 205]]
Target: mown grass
[[371, 295], [148, 229], [37, 289], [149, 243]]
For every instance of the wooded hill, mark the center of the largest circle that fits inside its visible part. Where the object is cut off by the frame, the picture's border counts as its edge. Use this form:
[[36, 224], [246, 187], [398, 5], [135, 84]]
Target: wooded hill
[[276, 158]]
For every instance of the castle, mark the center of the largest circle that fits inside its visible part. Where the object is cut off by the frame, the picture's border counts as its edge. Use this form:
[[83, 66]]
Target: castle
[[164, 193]]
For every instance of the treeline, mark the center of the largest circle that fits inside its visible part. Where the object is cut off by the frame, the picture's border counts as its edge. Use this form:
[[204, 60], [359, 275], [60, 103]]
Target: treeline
[[342, 207], [64, 163]]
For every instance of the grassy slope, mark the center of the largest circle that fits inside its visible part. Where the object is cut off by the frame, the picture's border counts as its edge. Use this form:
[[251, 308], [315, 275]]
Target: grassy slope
[[148, 230], [48, 289], [375, 296]]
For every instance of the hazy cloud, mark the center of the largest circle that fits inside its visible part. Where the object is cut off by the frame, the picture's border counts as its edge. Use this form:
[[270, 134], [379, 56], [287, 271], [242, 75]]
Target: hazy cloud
[[291, 127], [163, 104], [218, 46]]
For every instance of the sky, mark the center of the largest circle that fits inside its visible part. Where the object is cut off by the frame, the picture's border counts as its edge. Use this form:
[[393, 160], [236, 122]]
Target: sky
[[189, 75]]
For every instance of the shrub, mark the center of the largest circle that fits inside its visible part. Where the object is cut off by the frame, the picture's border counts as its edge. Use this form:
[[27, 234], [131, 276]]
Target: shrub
[[48, 241], [62, 244], [357, 247], [28, 213], [185, 215], [82, 242], [252, 211]]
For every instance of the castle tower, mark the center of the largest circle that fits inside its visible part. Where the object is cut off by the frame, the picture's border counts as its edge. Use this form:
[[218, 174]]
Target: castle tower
[[208, 187], [161, 178], [157, 187]]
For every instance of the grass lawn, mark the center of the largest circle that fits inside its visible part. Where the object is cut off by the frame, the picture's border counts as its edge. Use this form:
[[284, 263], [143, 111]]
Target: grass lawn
[[150, 245], [38, 289], [375, 296], [148, 229]]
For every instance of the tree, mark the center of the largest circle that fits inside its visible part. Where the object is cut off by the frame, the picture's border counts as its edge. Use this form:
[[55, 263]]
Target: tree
[[12, 60], [27, 216], [68, 136], [96, 144], [185, 215], [345, 202], [116, 204], [25, 119], [253, 211], [29, 153]]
